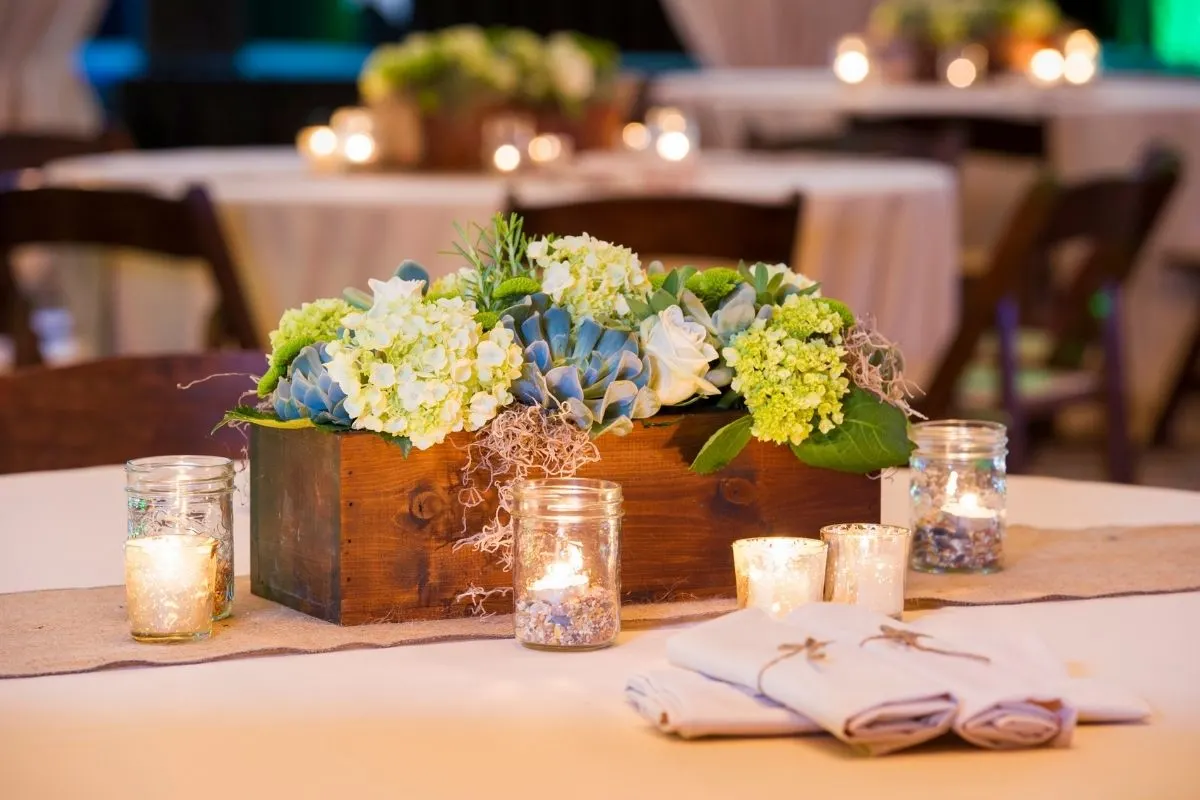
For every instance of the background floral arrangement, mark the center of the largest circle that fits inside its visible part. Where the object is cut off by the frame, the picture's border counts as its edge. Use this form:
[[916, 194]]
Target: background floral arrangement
[[466, 64], [576, 331], [948, 22]]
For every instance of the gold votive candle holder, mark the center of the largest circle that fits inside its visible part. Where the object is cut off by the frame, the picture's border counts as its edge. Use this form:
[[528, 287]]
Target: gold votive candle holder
[[169, 587], [779, 573], [867, 566]]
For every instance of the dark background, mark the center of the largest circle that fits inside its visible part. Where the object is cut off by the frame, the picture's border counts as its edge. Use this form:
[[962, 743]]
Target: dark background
[[179, 73]]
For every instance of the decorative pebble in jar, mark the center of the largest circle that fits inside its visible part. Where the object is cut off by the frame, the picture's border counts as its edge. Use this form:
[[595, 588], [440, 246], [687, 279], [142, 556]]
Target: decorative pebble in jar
[[186, 495], [958, 496], [567, 586]]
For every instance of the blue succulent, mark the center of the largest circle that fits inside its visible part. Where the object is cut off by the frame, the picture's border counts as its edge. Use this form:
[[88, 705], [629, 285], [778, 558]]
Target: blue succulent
[[308, 391], [597, 375]]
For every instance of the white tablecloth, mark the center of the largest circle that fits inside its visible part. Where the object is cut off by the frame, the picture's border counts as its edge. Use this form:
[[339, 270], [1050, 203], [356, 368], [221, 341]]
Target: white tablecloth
[[1090, 130], [490, 719], [881, 236]]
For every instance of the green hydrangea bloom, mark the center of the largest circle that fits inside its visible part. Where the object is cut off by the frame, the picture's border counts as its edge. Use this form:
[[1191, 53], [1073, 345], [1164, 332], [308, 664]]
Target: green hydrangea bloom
[[513, 289], [318, 321], [790, 370], [843, 311], [712, 285], [487, 319]]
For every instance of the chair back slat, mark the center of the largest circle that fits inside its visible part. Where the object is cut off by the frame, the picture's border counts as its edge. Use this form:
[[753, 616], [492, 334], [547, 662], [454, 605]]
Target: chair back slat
[[696, 227], [109, 411], [111, 218]]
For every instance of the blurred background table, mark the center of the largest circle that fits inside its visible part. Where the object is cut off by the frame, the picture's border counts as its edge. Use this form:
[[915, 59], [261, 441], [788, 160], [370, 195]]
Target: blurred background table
[[1077, 132], [879, 234]]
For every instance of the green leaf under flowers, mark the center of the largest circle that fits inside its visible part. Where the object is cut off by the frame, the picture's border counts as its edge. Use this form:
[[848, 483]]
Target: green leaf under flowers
[[267, 419], [873, 436], [661, 300], [723, 446]]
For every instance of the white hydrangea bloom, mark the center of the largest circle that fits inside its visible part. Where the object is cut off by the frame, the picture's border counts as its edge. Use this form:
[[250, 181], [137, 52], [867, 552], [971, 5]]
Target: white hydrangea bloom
[[572, 72], [797, 279], [589, 277], [422, 368]]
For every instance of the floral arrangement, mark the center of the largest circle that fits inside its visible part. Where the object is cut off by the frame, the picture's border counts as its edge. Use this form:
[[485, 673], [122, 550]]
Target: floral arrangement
[[948, 22], [467, 64], [574, 333]]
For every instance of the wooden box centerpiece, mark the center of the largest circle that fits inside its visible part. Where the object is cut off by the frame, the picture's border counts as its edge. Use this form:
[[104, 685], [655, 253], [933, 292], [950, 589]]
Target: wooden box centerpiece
[[394, 426], [345, 528]]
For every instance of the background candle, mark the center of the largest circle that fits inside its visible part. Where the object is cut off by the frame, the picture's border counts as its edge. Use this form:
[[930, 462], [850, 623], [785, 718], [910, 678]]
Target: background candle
[[777, 573], [169, 586], [867, 565]]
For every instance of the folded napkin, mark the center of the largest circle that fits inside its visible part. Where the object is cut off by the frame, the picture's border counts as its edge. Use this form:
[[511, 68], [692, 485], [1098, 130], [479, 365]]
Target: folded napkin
[[860, 695], [1094, 700], [690, 705], [1002, 703]]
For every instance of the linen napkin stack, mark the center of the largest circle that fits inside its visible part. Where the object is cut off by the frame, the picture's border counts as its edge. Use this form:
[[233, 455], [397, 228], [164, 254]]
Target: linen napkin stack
[[853, 693], [880, 691]]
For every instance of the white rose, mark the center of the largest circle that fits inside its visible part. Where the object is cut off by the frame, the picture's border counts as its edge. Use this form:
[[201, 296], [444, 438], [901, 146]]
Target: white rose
[[679, 356]]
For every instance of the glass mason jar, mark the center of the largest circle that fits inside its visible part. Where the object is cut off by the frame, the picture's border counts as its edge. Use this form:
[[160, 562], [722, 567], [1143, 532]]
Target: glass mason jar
[[566, 573], [186, 495], [958, 496]]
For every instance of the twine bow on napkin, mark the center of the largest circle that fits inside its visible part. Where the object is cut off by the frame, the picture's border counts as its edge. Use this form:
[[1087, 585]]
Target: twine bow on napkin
[[913, 640], [814, 650]]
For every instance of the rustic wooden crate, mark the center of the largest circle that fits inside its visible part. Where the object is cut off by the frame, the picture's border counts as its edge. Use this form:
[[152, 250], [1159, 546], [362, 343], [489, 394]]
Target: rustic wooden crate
[[344, 528]]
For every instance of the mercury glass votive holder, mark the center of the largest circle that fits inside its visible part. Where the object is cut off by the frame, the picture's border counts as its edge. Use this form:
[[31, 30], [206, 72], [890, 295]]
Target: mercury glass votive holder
[[169, 586], [778, 573], [958, 496], [186, 495], [867, 565], [566, 569]]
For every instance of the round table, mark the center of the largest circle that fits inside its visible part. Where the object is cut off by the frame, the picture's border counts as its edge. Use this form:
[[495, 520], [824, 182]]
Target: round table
[[491, 719], [879, 234], [1086, 131]]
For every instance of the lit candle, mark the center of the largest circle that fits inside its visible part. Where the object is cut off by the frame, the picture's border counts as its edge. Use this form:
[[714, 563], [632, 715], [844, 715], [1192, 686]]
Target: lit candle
[[636, 136], [851, 61], [169, 583], [970, 515], [506, 158], [1046, 67], [563, 578], [867, 565], [778, 574], [318, 146], [549, 149]]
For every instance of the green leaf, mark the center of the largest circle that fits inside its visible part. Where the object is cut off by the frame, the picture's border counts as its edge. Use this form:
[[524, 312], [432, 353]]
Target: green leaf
[[403, 442], [873, 436], [265, 418], [775, 282], [639, 308], [661, 300], [729, 399], [723, 446], [358, 298], [762, 278]]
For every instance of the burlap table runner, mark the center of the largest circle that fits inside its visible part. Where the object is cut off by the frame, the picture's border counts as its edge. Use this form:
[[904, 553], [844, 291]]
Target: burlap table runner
[[80, 630], [1072, 565]]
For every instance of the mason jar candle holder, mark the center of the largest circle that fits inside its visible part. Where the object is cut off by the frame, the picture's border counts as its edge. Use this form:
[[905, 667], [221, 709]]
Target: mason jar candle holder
[[866, 566], [778, 573], [958, 495], [169, 587], [566, 571], [186, 495]]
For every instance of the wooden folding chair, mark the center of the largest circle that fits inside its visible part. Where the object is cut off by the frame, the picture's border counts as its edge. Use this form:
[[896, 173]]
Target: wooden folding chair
[[185, 227], [698, 227], [109, 411], [1184, 379], [1114, 217]]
